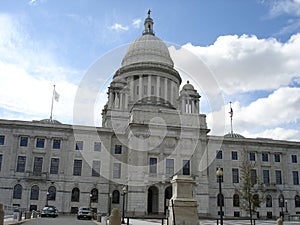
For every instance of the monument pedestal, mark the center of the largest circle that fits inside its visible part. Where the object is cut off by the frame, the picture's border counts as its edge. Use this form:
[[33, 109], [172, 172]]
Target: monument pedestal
[[182, 206]]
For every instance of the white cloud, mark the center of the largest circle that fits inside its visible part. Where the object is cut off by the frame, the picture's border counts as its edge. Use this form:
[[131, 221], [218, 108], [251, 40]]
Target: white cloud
[[136, 23], [27, 75], [276, 133], [262, 117], [118, 27], [280, 7], [246, 63]]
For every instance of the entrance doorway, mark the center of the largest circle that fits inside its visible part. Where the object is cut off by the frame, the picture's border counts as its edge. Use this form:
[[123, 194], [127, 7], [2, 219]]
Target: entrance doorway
[[152, 200]]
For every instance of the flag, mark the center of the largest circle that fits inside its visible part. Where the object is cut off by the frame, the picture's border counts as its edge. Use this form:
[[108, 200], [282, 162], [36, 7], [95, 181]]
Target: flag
[[56, 95], [231, 112]]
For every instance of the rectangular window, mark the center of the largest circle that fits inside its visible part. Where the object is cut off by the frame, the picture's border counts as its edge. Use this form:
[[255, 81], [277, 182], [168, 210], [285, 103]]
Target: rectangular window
[[77, 167], [145, 89], [21, 164], [294, 158], [37, 166], [186, 167], [2, 139], [54, 166], [117, 170], [1, 158], [118, 149], [23, 141], [40, 143], [153, 165], [253, 176], [266, 177], [295, 178], [137, 89], [56, 143], [79, 145], [234, 155], [97, 146], [96, 168], [278, 177], [252, 156], [277, 157], [265, 157], [170, 166], [235, 175], [219, 155]]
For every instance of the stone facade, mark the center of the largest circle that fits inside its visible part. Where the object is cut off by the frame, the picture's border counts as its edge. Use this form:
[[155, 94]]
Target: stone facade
[[151, 130]]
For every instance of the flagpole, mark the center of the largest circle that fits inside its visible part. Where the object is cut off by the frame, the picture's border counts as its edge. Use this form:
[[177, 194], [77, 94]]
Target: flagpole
[[52, 102], [231, 114]]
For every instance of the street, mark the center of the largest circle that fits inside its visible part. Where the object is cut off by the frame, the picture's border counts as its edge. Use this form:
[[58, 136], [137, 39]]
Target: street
[[61, 219]]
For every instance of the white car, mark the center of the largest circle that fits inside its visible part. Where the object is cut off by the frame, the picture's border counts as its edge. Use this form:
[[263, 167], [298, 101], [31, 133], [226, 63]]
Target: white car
[[84, 213]]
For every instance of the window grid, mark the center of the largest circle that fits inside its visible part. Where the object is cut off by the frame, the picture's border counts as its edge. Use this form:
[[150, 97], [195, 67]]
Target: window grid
[[294, 158], [118, 149], [186, 167], [40, 143], [79, 145], [96, 168], [170, 166], [295, 178], [153, 165], [97, 146], [219, 155], [252, 156], [21, 163], [266, 176], [235, 175], [277, 157], [117, 170], [23, 141], [2, 139], [37, 166], [77, 167], [56, 143], [54, 165], [265, 157], [278, 177], [234, 155]]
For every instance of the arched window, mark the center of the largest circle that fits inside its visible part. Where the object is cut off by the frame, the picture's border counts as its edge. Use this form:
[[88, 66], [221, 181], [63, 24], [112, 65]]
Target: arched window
[[220, 200], [51, 193], [236, 200], [116, 197], [94, 197], [269, 201], [34, 194], [297, 201], [75, 195], [256, 200], [281, 201], [17, 194]]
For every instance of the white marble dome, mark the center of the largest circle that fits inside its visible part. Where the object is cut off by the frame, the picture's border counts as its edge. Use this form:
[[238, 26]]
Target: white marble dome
[[147, 49]]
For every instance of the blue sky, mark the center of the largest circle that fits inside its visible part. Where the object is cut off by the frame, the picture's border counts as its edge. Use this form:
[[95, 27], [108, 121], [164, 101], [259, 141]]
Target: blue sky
[[251, 48]]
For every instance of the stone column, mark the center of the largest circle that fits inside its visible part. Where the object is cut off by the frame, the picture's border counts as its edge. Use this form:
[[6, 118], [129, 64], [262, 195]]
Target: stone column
[[182, 206]]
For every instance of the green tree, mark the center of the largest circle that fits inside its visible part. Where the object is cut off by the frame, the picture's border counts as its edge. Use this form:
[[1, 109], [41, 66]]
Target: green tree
[[249, 191]]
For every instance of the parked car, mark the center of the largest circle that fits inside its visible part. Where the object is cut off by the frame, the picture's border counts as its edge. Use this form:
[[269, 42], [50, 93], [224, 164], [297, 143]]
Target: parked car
[[49, 211], [84, 213]]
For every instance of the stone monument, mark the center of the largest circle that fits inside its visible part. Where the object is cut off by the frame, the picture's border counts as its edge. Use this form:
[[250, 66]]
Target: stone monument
[[182, 206], [115, 217]]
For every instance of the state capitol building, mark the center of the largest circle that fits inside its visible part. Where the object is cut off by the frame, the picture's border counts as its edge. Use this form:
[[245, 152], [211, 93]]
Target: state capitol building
[[152, 129]]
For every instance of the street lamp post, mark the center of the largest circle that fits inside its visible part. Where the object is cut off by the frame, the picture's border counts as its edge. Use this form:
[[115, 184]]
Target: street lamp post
[[90, 203], [219, 176], [281, 205], [47, 198], [123, 211], [110, 199]]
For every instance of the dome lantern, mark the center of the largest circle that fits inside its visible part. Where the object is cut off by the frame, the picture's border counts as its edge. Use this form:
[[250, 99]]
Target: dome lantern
[[148, 24]]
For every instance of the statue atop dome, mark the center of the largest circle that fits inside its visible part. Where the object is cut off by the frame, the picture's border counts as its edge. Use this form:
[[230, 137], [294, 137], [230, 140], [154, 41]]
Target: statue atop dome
[[148, 25]]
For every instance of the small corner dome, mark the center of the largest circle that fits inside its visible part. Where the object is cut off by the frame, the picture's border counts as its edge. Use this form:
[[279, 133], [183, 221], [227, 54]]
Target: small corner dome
[[233, 135], [188, 87]]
